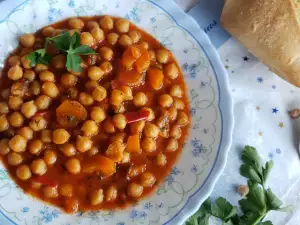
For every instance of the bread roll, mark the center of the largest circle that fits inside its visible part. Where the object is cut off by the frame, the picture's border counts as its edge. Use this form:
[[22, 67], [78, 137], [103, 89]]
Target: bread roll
[[270, 29]]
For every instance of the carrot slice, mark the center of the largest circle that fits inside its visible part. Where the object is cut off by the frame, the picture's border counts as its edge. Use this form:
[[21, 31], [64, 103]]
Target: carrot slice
[[133, 144], [99, 163], [132, 117], [143, 62], [155, 78], [70, 113], [131, 78]]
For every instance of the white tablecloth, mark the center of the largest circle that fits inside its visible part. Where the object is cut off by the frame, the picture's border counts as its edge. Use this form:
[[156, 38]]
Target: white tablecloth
[[261, 104]]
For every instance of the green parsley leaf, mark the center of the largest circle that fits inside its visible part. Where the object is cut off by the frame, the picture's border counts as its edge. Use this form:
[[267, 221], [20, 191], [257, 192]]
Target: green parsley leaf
[[73, 63], [273, 202], [249, 172], [255, 199], [223, 209], [75, 41], [288, 208], [267, 170], [39, 56], [250, 218], [61, 42], [265, 223], [201, 217], [83, 50]]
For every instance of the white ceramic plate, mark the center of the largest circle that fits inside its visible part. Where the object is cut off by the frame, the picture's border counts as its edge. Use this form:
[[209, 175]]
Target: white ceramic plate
[[204, 154]]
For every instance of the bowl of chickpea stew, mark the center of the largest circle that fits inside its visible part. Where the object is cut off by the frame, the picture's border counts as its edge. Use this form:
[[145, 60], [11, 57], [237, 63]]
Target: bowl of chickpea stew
[[101, 118]]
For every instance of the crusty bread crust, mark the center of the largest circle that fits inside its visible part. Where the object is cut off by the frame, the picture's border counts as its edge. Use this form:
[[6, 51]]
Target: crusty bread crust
[[270, 29]]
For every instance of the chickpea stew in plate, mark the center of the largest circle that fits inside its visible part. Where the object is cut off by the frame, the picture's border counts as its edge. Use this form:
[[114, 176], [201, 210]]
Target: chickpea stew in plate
[[93, 113]]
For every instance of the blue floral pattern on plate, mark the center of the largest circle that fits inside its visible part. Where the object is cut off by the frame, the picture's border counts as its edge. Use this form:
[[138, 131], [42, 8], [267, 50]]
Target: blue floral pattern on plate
[[204, 153]]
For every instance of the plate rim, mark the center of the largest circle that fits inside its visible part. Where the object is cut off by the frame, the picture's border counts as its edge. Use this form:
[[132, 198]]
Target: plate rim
[[225, 106]]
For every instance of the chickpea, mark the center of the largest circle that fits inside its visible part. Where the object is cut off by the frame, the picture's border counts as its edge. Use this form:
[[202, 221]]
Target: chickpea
[[35, 185], [41, 67], [66, 190], [46, 76], [4, 124], [68, 80], [137, 127], [135, 36], [35, 87], [50, 89], [23, 172], [92, 24], [16, 119], [165, 100], [175, 132], [117, 97], [111, 193], [29, 109], [106, 53], [89, 128], [35, 147], [73, 166], [96, 197], [107, 23], [120, 121], [59, 61], [178, 104], [15, 73], [38, 123], [93, 151], [26, 63], [95, 73], [86, 39], [112, 38], [5, 93], [27, 40], [108, 126], [29, 75], [182, 119], [85, 99], [97, 34], [162, 56], [43, 102], [125, 41], [147, 179], [151, 115], [140, 99], [50, 192], [126, 158], [14, 159], [18, 89], [4, 147], [172, 113], [18, 143], [91, 85], [60, 136], [76, 23], [145, 45], [73, 93], [83, 144], [148, 145], [3, 108], [106, 67], [26, 132], [172, 145], [176, 91], [151, 130], [46, 136], [161, 159], [38, 167], [127, 91], [68, 149], [14, 60], [50, 157], [119, 109], [171, 71], [48, 32], [15, 102], [135, 190], [99, 94], [98, 114]]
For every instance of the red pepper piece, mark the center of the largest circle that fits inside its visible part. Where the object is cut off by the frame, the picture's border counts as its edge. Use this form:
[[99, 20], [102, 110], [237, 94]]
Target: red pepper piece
[[137, 116], [45, 180]]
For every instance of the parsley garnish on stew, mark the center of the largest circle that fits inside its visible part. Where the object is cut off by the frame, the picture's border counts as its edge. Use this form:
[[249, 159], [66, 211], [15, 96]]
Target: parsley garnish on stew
[[66, 44], [257, 203]]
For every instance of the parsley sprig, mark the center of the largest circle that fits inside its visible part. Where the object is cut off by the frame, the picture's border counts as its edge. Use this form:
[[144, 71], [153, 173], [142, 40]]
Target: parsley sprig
[[256, 204], [66, 44]]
